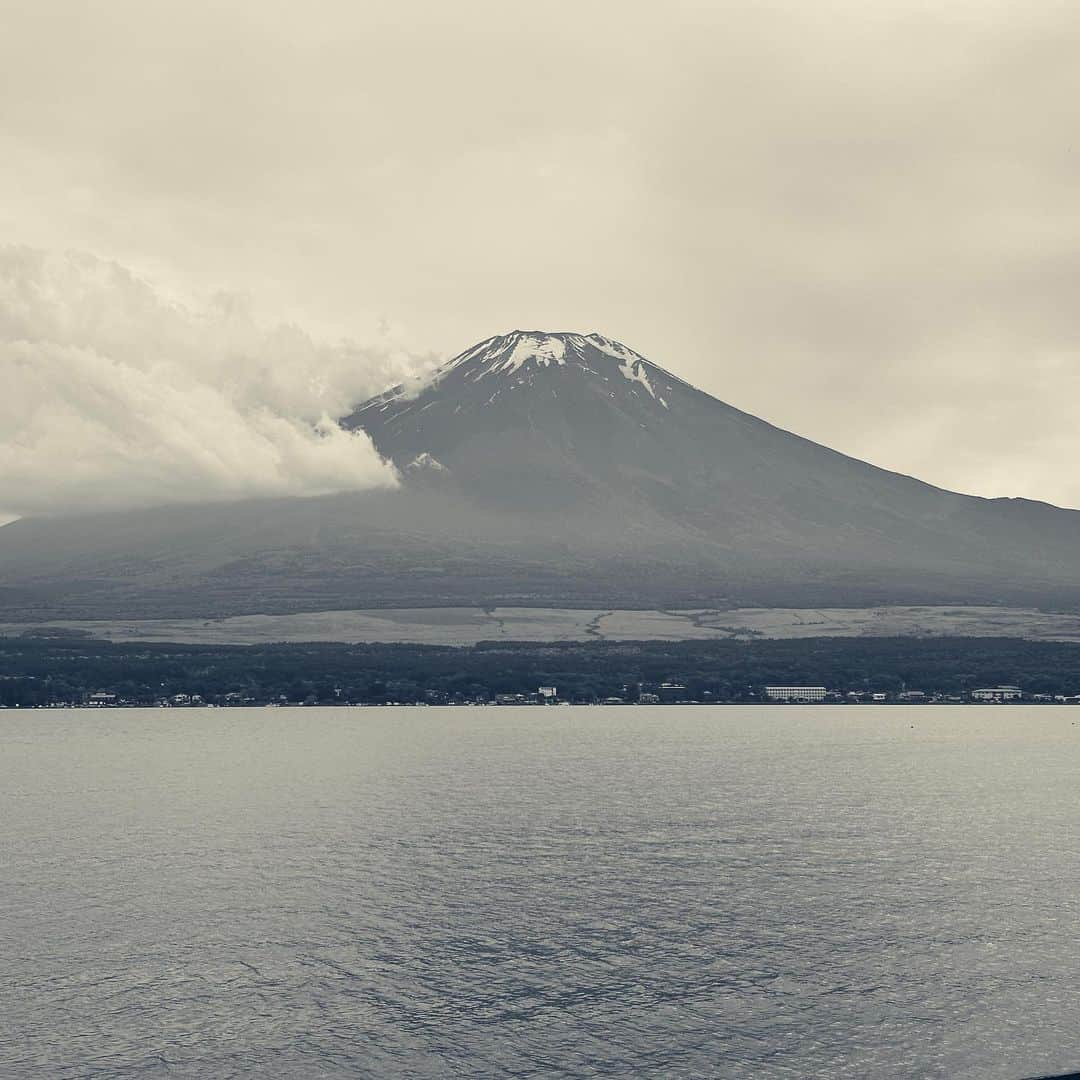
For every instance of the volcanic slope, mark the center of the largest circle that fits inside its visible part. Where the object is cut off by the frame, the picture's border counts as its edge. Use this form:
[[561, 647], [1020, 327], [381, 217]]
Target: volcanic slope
[[581, 432], [562, 469]]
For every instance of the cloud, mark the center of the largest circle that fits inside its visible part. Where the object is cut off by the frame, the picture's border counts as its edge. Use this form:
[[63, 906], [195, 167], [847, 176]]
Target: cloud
[[115, 395], [858, 220]]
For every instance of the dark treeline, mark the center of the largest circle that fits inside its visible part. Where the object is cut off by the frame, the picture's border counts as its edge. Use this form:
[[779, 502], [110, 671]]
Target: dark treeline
[[46, 671]]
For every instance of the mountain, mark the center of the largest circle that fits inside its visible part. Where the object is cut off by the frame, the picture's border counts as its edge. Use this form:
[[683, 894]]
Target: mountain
[[560, 469]]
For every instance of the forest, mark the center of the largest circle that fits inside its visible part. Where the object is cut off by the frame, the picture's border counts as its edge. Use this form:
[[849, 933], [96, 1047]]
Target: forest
[[39, 670]]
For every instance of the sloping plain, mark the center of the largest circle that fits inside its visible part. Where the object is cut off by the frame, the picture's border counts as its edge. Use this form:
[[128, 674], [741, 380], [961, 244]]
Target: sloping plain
[[467, 626]]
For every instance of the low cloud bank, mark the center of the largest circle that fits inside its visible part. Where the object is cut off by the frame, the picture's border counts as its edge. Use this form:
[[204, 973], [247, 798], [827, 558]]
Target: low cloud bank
[[112, 395]]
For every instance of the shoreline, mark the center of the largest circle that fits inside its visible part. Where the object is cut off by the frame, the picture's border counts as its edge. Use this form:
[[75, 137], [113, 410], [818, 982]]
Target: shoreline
[[559, 705]]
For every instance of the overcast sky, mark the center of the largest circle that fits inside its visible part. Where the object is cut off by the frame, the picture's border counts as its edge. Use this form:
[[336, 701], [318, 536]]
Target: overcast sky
[[859, 220]]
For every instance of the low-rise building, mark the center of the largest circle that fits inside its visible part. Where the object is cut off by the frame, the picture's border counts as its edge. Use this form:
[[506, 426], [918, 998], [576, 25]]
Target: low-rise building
[[997, 694], [795, 693]]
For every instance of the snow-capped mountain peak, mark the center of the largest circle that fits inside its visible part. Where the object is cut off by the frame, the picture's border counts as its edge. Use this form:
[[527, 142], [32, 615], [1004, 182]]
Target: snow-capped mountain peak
[[562, 404], [509, 361]]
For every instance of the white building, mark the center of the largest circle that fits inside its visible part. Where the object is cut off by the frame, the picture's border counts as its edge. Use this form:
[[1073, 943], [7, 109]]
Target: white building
[[997, 693], [795, 693]]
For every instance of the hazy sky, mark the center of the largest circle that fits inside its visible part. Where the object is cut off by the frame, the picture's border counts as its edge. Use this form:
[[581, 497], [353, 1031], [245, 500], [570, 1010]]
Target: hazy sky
[[859, 220]]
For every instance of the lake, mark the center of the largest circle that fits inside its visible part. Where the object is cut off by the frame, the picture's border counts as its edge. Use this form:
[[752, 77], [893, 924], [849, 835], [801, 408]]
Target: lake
[[680, 892]]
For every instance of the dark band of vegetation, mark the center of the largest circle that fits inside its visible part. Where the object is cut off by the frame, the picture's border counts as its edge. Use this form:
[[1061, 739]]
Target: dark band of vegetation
[[39, 670]]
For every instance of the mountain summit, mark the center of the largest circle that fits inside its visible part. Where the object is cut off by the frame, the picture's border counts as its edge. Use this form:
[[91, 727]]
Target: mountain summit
[[529, 417], [561, 469], [516, 359]]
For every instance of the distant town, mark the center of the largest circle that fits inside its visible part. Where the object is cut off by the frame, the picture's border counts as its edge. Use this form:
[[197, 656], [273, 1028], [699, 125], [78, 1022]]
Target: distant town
[[45, 671], [664, 694]]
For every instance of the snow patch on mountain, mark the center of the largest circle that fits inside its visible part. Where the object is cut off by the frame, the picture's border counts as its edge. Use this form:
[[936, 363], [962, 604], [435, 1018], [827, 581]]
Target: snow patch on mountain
[[634, 371], [613, 347], [544, 350], [425, 462]]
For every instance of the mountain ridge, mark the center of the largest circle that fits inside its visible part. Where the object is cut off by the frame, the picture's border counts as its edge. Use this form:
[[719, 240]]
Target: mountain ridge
[[562, 469]]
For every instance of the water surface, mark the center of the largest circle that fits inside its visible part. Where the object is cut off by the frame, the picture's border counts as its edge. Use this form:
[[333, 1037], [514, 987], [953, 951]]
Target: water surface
[[699, 892]]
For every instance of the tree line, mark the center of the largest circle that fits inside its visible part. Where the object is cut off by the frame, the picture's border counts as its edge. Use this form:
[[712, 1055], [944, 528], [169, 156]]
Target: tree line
[[45, 670]]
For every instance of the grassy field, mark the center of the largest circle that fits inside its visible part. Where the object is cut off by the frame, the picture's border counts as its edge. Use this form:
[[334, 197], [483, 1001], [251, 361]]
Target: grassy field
[[466, 626]]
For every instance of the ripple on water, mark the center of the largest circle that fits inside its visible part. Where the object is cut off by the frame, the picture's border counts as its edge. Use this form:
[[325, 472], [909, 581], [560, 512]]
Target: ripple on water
[[670, 892]]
